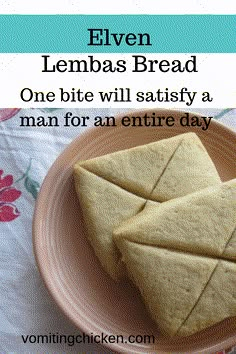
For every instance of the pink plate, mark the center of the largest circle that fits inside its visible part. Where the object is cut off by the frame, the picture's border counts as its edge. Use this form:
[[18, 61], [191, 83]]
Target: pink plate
[[67, 263]]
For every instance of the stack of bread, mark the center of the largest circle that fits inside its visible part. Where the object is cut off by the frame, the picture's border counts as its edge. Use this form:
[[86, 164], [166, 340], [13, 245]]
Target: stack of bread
[[159, 214]]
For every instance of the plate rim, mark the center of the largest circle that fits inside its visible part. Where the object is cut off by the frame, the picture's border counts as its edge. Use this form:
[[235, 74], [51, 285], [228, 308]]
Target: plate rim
[[40, 204]]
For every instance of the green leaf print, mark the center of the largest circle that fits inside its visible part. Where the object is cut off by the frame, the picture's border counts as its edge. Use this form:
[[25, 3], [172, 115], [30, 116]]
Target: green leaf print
[[31, 186]]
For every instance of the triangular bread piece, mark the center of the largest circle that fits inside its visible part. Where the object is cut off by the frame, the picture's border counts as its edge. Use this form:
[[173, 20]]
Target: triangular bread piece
[[170, 282], [136, 169], [217, 302], [201, 225], [105, 206], [185, 166]]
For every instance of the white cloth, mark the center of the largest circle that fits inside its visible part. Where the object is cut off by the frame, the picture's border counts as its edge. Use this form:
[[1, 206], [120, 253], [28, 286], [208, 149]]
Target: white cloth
[[26, 308]]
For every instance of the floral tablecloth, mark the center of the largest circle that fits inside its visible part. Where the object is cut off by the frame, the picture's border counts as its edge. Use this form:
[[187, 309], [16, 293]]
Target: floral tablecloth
[[26, 154]]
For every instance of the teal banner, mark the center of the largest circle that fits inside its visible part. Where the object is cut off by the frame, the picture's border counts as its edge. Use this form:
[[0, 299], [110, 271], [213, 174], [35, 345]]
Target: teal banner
[[117, 33]]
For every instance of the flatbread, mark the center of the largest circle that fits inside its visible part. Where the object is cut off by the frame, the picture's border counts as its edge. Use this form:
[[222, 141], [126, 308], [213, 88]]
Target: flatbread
[[191, 232], [144, 173]]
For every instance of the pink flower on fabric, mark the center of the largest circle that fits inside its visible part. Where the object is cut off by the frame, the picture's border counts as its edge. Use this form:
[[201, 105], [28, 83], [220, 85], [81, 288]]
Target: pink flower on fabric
[[7, 113], [8, 194]]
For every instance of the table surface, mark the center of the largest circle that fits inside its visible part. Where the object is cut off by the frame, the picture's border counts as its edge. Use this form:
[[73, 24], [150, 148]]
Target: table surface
[[27, 153]]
